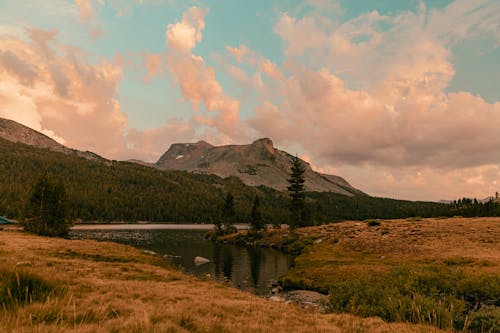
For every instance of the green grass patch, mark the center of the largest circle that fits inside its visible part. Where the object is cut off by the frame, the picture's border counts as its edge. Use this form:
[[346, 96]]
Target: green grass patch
[[19, 288], [440, 295]]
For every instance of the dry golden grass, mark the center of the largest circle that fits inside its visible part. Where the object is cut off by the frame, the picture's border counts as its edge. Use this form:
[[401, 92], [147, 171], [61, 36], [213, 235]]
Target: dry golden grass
[[116, 288], [352, 248]]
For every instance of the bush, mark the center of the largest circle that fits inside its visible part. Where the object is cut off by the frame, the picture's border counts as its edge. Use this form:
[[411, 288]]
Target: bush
[[372, 223], [45, 209]]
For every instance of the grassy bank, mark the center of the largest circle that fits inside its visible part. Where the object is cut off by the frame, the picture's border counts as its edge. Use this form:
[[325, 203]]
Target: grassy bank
[[445, 272], [56, 285]]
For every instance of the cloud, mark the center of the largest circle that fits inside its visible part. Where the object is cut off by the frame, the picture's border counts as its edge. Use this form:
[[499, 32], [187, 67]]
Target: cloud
[[88, 17], [59, 93], [154, 65], [270, 68], [151, 143], [196, 80], [183, 36], [85, 10], [240, 52], [377, 108]]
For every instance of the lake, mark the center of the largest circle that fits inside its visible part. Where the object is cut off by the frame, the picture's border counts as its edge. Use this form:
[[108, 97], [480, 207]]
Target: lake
[[250, 269]]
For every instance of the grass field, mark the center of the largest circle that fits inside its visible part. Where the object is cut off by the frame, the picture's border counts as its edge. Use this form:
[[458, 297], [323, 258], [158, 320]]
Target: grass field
[[56, 285], [441, 271]]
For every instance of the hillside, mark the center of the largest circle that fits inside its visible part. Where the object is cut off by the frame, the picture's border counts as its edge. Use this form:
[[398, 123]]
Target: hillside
[[15, 132], [259, 163], [101, 190]]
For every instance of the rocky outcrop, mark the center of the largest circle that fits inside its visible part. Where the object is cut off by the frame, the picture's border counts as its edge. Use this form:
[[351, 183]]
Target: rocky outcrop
[[17, 133], [258, 163]]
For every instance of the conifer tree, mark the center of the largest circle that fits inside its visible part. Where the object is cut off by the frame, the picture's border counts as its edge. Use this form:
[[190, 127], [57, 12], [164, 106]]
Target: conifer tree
[[45, 210], [256, 222], [229, 213], [297, 193]]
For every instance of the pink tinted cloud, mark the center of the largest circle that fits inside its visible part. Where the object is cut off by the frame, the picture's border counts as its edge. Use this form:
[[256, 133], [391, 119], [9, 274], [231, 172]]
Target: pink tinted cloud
[[154, 65], [270, 68], [149, 144], [240, 53], [85, 10], [61, 94], [197, 81]]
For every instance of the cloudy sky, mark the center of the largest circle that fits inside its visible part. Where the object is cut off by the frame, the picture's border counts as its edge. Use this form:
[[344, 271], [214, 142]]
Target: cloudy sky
[[400, 97]]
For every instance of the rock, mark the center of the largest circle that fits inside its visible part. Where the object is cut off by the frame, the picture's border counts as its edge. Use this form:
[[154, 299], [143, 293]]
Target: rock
[[307, 297], [200, 261], [277, 299], [24, 264], [170, 256], [152, 253], [276, 290]]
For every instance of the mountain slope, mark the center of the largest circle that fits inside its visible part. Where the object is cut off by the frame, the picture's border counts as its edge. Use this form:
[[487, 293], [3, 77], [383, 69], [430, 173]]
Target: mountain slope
[[17, 133], [259, 163]]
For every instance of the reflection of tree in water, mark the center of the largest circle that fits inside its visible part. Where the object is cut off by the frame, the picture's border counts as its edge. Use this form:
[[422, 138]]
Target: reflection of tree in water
[[255, 256], [227, 262], [223, 261]]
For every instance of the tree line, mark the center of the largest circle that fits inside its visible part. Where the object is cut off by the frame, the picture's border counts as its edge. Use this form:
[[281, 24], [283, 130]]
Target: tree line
[[104, 191]]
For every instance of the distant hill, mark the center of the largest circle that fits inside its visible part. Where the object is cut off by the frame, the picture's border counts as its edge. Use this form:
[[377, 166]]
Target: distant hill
[[15, 132], [103, 190], [259, 163]]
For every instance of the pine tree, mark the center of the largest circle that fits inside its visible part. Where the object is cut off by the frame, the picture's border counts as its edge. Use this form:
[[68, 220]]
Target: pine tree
[[229, 213], [45, 210], [256, 222], [297, 193]]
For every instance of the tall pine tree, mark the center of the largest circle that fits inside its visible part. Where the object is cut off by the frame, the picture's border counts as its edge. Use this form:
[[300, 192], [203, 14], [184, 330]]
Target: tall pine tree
[[229, 214], [256, 221], [297, 193]]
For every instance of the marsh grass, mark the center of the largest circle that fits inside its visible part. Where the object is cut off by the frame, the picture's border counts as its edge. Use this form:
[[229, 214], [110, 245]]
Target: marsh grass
[[19, 288], [434, 295]]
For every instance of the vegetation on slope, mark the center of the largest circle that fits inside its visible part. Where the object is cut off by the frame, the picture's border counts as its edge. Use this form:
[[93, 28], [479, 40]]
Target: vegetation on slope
[[101, 190], [87, 286]]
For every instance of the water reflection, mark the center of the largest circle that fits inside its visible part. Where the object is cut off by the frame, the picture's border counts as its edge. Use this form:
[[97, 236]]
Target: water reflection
[[251, 269]]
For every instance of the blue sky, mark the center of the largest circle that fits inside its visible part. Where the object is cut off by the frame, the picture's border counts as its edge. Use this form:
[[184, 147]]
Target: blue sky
[[400, 97]]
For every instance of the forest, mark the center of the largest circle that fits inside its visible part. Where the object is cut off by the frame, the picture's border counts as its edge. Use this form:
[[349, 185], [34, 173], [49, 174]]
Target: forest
[[100, 190]]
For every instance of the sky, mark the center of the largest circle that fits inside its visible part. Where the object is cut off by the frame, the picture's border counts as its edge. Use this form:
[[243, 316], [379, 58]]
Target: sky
[[400, 97]]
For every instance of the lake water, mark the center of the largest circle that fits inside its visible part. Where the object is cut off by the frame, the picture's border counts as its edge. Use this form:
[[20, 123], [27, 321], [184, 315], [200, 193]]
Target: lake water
[[250, 269]]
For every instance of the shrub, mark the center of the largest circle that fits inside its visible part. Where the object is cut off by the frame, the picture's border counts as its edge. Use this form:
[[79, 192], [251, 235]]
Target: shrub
[[372, 223]]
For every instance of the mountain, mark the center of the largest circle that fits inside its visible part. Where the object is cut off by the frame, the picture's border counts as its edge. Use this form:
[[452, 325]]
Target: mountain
[[102, 190], [17, 133], [259, 163]]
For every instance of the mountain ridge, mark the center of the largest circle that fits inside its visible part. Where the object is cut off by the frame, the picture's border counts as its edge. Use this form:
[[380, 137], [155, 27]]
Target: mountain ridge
[[255, 164], [258, 163], [13, 131]]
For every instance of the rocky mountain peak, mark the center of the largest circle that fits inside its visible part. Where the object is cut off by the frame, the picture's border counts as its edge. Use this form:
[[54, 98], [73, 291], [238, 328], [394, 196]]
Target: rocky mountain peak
[[265, 143], [258, 163]]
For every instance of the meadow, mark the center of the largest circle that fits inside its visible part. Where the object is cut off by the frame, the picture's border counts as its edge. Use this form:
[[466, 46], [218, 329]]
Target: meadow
[[445, 272], [57, 285]]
